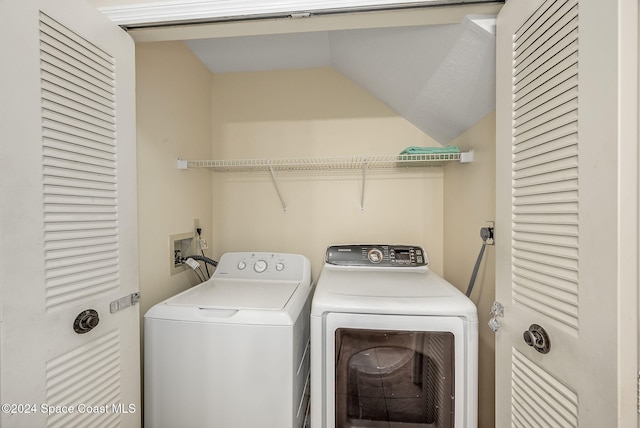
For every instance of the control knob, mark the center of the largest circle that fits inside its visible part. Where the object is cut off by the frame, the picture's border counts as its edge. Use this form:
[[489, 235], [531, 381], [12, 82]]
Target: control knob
[[375, 255], [260, 266]]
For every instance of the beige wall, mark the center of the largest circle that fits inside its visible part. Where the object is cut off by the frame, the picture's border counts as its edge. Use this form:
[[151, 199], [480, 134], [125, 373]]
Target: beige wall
[[316, 112], [469, 202], [173, 121]]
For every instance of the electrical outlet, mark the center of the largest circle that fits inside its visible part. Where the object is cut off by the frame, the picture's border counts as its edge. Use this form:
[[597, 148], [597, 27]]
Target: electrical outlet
[[203, 244], [486, 233]]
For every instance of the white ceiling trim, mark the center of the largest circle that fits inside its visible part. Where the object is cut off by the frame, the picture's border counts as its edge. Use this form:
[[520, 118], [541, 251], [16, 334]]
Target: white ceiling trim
[[176, 11]]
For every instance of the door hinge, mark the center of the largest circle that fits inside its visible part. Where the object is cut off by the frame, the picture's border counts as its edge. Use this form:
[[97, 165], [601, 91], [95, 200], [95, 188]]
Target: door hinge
[[497, 311], [638, 391], [124, 302]]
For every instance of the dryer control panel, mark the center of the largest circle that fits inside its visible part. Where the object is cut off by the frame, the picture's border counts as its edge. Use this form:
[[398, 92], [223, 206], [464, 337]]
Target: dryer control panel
[[376, 255]]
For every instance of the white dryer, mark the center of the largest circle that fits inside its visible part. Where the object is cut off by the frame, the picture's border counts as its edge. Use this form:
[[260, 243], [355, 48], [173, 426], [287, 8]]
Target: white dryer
[[232, 352], [393, 344]]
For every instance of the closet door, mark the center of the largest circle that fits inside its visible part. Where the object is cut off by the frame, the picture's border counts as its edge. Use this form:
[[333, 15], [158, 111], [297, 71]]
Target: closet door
[[566, 232], [68, 237]]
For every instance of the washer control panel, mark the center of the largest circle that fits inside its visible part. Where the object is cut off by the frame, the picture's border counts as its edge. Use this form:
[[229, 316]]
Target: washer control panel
[[376, 255], [261, 266]]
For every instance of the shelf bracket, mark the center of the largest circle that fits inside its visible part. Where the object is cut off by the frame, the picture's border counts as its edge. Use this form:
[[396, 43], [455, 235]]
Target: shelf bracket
[[466, 157], [275, 182], [364, 181]]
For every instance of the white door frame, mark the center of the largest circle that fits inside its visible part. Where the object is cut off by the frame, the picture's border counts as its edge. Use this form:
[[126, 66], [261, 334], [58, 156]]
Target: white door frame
[[172, 11]]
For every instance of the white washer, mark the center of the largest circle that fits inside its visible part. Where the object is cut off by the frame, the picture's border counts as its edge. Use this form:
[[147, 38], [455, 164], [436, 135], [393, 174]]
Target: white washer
[[232, 352], [393, 344]]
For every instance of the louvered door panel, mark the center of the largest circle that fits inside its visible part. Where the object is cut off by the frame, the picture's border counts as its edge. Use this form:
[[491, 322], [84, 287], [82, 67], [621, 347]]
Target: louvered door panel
[[566, 206], [539, 399], [89, 375], [545, 164], [79, 167], [68, 226], [80, 215]]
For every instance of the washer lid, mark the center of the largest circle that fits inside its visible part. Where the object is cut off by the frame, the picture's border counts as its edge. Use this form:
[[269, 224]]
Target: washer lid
[[237, 295]]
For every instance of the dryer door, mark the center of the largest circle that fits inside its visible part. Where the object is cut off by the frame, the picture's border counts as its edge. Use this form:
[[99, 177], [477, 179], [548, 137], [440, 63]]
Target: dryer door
[[386, 369], [394, 376]]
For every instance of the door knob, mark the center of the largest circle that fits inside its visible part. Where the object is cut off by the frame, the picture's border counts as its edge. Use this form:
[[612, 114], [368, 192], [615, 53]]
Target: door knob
[[538, 338], [86, 321]]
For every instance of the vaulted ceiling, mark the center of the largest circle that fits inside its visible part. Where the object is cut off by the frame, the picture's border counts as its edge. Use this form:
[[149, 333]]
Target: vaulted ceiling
[[441, 78], [431, 61]]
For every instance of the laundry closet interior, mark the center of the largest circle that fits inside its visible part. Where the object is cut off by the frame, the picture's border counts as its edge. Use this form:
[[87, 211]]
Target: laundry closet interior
[[318, 88]]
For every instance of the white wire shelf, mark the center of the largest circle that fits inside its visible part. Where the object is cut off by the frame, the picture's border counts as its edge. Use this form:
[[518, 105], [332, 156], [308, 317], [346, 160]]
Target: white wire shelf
[[327, 163], [343, 163]]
